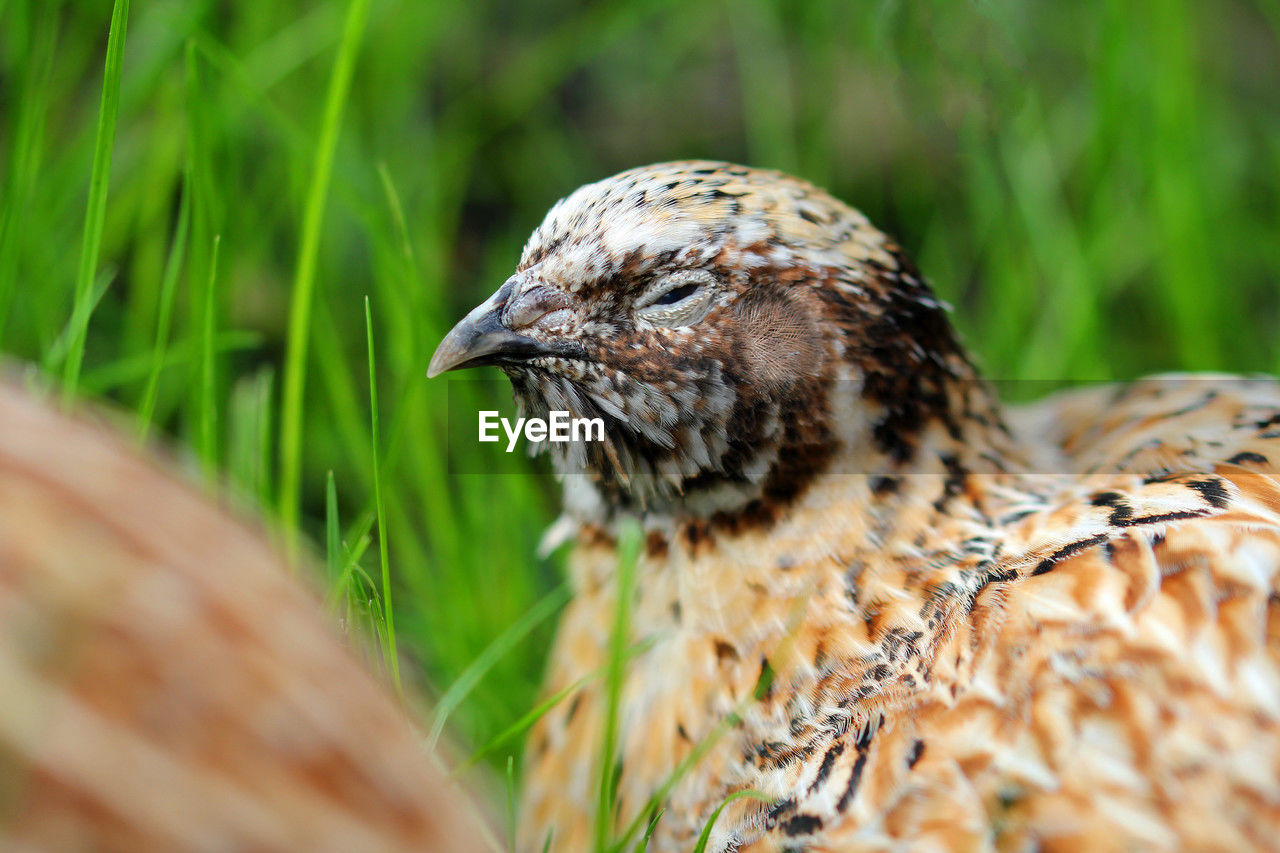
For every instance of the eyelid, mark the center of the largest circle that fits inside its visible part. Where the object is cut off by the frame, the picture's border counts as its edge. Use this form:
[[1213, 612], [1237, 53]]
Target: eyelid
[[673, 282], [683, 312]]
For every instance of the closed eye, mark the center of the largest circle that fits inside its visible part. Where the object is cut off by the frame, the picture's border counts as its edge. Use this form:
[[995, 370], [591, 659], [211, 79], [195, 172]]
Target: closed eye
[[679, 299], [678, 294]]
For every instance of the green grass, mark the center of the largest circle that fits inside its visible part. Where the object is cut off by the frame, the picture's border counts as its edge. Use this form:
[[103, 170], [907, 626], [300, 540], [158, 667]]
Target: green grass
[[705, 836], [164, 313], [390, 655], [619, 640], [304, 282], [1093, 186], [95, 215]]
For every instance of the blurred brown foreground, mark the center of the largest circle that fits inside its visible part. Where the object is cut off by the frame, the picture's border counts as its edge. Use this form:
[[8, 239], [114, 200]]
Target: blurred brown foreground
[[165, 683]]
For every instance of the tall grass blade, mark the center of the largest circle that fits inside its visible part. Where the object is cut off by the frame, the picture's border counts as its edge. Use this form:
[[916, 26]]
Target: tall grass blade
[[522, 724], [96, 209], [132, 369], [494, 652], [208, 380], [643, 844], [511, 803], [388, 615], [164, 318], [729, 721], [248, 418], [705, 836], [295, 369], [628, 556], [360, 539], [59, 348], [265, 381], [699, 751], [332, 528], [538, 711]]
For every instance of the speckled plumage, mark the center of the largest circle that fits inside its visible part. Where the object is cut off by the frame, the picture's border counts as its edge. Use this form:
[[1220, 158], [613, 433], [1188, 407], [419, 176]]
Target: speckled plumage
[[908, 618]]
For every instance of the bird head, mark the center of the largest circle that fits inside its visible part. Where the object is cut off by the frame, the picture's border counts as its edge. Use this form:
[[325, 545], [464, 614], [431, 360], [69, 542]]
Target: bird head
[[707, 313]]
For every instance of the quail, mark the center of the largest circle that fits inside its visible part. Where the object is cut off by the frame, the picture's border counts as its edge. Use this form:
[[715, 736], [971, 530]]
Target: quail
[[900, 613]]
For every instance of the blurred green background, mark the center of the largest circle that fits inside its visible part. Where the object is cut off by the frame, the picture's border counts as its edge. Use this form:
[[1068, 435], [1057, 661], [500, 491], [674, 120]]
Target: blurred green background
[[1094, 186]]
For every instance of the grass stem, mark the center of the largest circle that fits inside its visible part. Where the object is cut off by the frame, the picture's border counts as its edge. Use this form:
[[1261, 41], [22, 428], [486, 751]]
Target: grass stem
[[295, 367], [96, 207], [389, 622]]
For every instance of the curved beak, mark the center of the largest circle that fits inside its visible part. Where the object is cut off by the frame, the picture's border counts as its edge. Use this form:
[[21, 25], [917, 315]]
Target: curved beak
[[482, 338]]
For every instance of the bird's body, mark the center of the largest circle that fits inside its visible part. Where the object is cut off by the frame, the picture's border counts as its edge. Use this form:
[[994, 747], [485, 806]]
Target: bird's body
[[901, 616], [1026, 660]]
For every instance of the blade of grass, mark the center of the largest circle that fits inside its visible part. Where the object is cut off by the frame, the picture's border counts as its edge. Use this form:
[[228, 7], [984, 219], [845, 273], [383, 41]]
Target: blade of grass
[[1187, 263], [643, 844], [397, 214], [526, 720], [164, 318], [208, 400], [249, 418], [537, 711], [305, 276], [628, 556], [333, 536], [360, 538], [234, 72], [370, 605], [134, 368], [729, 721], [266, 384], [504, 642], [511, 803], [205, 202], [695, 755], [60, 348], [393, 659], [96, 208], [705, 836]]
